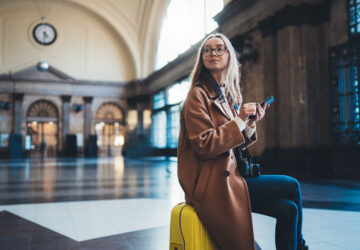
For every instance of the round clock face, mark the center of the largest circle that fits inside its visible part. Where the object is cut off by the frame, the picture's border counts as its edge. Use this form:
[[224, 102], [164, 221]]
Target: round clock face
[[44, 33]]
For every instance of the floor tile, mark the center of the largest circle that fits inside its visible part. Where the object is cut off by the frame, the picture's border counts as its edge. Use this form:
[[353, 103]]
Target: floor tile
[[126, 203]]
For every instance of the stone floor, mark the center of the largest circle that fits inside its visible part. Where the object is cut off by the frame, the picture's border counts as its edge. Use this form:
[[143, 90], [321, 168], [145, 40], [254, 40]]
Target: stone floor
[[118, 203]]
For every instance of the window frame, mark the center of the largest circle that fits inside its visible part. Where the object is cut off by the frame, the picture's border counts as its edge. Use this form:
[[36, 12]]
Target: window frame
[[357, 9], [337, 54]]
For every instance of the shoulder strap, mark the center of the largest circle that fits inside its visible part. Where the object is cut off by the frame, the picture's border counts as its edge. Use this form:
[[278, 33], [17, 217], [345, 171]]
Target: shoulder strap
[[218, 91], [216, 86]]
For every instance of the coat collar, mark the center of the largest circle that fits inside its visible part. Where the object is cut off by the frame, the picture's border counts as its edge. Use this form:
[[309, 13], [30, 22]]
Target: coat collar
[[209, 90], [222, 105]]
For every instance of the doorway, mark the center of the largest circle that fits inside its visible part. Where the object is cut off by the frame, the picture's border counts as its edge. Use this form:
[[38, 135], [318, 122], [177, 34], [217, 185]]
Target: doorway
[[43, 138], [110, 138], [110, 130], [42, 130]]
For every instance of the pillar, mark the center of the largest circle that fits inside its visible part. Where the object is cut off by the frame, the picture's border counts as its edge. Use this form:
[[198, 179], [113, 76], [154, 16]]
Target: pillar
[[65, 117], [87, 117], [268, 30], [17, 115]]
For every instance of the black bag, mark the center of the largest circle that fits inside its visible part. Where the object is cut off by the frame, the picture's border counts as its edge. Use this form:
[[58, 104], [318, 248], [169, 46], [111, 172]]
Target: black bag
[[245, 163]]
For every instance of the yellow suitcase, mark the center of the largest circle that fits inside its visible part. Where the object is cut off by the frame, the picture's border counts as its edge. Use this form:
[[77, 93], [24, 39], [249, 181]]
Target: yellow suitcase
[[186, 230]]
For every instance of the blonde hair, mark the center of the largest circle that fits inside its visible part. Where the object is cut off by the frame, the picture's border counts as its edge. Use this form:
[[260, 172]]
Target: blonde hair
[[232, 79]]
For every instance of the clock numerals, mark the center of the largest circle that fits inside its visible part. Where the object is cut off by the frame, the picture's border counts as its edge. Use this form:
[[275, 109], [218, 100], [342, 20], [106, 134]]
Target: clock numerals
[[44, 34]]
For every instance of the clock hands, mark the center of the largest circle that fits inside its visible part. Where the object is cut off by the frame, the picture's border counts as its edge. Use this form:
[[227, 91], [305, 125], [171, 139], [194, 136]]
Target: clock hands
[[45, 36], [44, 33]]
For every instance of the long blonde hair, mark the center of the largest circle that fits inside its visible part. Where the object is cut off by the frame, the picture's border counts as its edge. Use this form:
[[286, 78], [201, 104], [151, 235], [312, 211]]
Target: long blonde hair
[[232, 79]]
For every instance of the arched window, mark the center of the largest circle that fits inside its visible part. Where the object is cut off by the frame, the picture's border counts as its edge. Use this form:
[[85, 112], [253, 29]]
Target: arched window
[[186, 22]]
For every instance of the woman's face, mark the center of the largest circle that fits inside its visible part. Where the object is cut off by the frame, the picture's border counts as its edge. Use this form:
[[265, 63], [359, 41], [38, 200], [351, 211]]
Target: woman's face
[[210, 54]]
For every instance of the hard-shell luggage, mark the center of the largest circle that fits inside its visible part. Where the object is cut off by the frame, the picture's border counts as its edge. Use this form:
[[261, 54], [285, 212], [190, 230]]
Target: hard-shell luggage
[[187, 232]]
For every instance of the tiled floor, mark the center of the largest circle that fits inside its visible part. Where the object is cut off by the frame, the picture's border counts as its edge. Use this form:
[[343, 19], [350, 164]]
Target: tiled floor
[[118, 203]]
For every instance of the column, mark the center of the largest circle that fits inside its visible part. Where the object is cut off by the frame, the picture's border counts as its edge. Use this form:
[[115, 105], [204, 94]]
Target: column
[[15, 139], [17, 115], [87, 118], [140, 125], [268, 31], [65, 117]]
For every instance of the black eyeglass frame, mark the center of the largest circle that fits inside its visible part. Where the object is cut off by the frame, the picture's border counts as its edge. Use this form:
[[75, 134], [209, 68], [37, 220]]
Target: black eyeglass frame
[[216, 53]]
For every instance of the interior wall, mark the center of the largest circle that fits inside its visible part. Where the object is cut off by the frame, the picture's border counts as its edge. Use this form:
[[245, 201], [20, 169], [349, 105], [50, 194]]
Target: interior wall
[[6, 118], [86, 47]]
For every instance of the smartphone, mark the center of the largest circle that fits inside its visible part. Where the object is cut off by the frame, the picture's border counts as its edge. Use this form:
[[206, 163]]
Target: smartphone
[[267, 101]]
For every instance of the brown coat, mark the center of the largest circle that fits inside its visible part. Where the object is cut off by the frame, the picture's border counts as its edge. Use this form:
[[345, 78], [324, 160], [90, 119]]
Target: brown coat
[[207, 169]]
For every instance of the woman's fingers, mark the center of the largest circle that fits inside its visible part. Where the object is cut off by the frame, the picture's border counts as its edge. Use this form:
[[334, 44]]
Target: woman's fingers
[[261, 112], [250, 108], [253, 109]]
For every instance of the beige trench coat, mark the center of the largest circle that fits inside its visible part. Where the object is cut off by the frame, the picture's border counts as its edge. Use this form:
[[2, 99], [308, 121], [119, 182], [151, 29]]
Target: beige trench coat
[[207, 169]]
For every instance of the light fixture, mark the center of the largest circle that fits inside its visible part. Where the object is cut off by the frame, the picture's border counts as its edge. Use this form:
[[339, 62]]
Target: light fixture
[[77, 107], [42, 66], [5, 105]]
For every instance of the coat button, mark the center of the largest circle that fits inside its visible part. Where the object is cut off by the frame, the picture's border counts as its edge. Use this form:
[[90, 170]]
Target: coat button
[[226, 173]]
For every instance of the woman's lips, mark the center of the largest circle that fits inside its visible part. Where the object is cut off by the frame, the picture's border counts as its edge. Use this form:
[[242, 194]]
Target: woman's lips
[[214, 60]]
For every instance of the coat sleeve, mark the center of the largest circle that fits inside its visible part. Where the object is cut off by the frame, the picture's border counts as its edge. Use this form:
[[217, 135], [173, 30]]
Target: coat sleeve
[[208, 141], [249, 140]]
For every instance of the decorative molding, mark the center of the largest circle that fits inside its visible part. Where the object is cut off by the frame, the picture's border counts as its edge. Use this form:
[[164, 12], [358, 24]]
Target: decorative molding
[[132, 101], [233, 9], [65, 98], [18, 96], [88, 99], [172, 72], [268, 26], [52, 75], [303, 14], [313, 14]]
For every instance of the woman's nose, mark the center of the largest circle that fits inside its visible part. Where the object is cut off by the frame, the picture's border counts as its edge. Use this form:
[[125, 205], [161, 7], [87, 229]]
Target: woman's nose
[[213, 51]]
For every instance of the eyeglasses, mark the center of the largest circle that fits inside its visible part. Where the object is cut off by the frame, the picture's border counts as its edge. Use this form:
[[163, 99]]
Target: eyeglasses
[[219, 51]]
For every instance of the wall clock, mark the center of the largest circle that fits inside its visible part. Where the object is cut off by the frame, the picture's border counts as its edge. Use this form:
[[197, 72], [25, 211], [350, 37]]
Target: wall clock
[[44, 33]]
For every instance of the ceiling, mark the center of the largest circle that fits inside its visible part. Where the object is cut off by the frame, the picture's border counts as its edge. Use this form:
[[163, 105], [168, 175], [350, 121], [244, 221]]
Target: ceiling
[[136, 24]]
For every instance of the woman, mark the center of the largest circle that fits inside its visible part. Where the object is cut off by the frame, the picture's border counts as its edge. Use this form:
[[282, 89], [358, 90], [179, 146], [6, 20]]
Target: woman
[[212, 124]]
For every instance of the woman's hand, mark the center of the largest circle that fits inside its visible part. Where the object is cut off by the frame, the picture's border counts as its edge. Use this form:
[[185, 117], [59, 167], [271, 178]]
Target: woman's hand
[[259, 115], [246, 110]]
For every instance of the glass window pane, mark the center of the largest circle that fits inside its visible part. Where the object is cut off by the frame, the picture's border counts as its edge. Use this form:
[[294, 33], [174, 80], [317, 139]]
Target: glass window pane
[[173, 94], [159, 130], [159, 100], [354, 17], [146, 118], [4, 140], [345, 96], [132, 119], [186, 22], [173, 128], [177, 92]]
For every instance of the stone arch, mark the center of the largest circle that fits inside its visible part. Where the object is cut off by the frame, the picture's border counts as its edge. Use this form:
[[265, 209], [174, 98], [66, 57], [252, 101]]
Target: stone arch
[[42, 128], [110, 129], [110, 112], [42, 110]]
